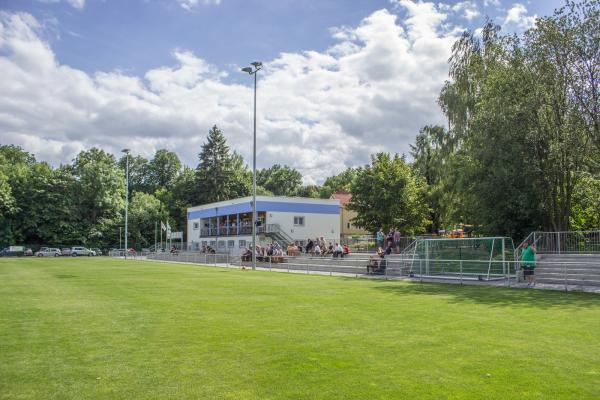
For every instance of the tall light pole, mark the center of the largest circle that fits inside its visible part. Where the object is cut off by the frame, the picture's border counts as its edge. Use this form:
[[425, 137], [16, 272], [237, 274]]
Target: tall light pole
[[253, 70], [126, 151]]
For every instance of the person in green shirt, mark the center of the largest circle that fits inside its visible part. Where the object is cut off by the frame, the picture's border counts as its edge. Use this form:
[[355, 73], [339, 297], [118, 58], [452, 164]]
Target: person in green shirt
[[380, 237], [528, 262]]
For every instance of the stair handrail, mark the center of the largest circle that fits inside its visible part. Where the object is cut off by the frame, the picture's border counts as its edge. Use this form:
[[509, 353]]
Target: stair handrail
[[276, 229]]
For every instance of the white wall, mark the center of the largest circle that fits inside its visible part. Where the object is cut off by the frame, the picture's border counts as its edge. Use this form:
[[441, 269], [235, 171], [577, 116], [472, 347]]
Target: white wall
[[315, 225], [193, 234]]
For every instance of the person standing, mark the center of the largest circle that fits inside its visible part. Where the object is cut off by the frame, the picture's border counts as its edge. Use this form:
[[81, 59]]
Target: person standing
[[397, 240], [528, 262], [309, 247], [380, 236]]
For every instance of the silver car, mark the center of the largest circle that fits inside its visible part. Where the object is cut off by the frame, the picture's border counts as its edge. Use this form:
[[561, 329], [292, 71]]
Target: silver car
[[48, 252], [81, 251]]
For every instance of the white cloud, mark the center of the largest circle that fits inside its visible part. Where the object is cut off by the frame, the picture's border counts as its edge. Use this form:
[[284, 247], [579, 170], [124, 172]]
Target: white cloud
[[318, 112], [495, 3], [468, 9], [517, 17], [78, 4], [190, 4]]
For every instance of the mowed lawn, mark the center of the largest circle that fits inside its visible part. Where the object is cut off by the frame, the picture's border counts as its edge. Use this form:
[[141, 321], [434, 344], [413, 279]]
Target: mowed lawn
[[79, 328]]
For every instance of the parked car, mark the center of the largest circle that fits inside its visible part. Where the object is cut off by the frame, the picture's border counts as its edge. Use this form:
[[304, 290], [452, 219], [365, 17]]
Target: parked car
[[66, 251], [28, 252], [81, 251], [7, 252], [48, 252], [97, 251], [13, 251]]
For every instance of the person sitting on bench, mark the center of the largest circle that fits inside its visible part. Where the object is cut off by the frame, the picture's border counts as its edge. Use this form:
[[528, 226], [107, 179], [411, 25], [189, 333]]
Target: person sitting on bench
[[247, 256], [338, 251], [377, 263]]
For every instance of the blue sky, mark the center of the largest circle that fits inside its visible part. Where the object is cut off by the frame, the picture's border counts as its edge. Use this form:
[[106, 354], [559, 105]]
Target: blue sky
[[174, 64]]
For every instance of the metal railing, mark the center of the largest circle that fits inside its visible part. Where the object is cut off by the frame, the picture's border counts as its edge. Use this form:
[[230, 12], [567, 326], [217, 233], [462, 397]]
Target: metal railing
[[568, 274], [567, 242]]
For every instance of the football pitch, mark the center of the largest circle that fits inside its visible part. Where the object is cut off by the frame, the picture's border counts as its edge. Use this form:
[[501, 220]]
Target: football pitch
[[114, 329]]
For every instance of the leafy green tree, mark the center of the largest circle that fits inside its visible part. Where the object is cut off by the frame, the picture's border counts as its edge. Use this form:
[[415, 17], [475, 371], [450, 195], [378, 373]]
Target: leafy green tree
[[101, 194], [7, 208], [340, 182], [241, 182], [139, 174], [163, 169], [145, 211], [7, 201], [311, 191], [585, 214], [16, 165], [517, 135], [570, 40], [389, 194], [431, 158], [279, 180]]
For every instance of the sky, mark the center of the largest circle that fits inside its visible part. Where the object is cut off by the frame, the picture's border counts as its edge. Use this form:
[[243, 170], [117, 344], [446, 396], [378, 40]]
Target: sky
[[342, 79]]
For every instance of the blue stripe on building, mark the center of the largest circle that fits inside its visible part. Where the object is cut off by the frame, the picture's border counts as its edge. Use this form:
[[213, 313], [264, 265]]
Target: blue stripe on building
[[273, 206]]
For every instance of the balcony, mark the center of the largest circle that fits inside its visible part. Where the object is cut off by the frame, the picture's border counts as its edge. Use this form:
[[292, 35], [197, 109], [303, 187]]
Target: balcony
[[239, 230]]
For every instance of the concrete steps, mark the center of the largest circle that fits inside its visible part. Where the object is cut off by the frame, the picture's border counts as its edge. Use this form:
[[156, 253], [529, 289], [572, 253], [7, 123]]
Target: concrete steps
[[572, 269]]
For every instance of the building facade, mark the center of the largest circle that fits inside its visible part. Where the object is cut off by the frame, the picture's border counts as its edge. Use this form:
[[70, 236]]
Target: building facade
[[347, 228], [227, 225]]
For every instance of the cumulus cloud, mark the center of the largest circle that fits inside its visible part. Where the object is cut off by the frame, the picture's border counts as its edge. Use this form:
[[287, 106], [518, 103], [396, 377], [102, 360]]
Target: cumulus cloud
[[467, 9], [495, 3], [319, 112], [191, 4], [516, 17]]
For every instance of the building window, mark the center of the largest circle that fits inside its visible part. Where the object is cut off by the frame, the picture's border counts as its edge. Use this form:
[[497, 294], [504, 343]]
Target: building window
[[230, 244], [348, 225], [242, 243], [221, 244], [204, 243], [196, 225], [298, 221], [212, 244]]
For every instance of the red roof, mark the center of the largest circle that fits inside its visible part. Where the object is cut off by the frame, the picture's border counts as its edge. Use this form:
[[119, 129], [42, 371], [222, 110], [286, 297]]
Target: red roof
[[343, 197]]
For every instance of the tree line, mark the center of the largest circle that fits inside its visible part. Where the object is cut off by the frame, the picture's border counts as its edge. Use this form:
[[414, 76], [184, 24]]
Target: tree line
[[520, 152], [83, 202]]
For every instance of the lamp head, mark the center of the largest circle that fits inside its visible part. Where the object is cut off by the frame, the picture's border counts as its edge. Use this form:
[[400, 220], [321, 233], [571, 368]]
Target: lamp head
[[126, 151], [247, 69], [256, 64]]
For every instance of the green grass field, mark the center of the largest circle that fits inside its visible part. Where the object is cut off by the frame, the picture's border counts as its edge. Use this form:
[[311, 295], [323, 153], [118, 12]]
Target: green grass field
[[111, 329]]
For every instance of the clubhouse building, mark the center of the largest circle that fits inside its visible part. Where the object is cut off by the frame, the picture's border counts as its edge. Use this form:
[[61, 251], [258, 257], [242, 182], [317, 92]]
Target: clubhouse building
[[227, 225]]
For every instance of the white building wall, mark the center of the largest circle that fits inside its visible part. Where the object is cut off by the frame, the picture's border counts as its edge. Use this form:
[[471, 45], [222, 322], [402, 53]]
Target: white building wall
[[315, 225]]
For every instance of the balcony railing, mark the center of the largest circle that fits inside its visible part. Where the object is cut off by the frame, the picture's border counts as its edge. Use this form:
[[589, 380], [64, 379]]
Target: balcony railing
[[239, 230], [230, 231]]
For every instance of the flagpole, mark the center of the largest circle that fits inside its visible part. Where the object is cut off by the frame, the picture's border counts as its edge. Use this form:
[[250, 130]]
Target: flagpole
[[155, 228], [161, 229]]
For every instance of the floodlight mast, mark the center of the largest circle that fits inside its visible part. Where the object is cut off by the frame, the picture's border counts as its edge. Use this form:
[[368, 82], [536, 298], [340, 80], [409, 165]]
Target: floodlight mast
[[126, 151], [253, 71]]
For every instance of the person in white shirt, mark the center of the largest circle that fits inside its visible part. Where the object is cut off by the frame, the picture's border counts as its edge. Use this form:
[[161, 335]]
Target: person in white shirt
[[339, 251], [317, 250]]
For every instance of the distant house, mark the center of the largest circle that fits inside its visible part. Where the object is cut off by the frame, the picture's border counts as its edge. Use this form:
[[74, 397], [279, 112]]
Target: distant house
[[346, 227]]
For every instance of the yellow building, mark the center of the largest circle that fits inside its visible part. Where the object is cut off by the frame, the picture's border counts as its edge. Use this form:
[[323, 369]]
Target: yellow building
[[346, 227]]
